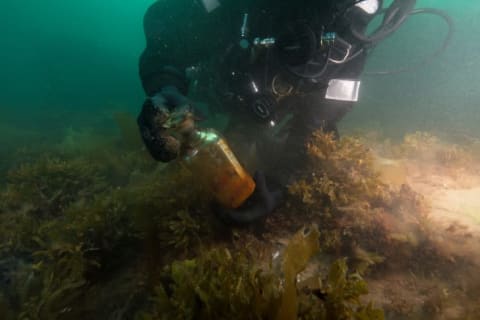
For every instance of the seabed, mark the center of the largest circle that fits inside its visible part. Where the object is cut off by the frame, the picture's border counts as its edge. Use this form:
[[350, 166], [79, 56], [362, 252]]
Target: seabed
[[92, 228]]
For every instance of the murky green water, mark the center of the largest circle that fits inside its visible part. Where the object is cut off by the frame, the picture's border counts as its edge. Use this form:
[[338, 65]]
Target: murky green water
[[92, 228], [70, 59]]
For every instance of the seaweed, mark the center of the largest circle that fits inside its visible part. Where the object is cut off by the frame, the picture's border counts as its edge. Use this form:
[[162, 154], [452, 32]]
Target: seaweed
[[5, 309], [182, 231], [343, 291], [218, 284], [298, 253], [64, 228], [62, 279], [340, 173], [361, 216], [221, 284], [114, 235], [48, 186], [342, 191], [428, 148]]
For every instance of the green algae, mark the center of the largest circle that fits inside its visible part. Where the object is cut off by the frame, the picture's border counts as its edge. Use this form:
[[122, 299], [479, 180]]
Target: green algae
[[49, 185], [67, 228], [222, 284], [343, 292], [125, 227], [356, 211], [218, 284], [70, 222]]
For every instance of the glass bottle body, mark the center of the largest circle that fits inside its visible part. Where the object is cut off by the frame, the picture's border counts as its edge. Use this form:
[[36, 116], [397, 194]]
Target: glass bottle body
[[215, 165]]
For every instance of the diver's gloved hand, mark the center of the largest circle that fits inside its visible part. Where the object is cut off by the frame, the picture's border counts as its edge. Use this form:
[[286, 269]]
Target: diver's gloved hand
[[261, 203], [161, 146], [170, 97], [159, 115]]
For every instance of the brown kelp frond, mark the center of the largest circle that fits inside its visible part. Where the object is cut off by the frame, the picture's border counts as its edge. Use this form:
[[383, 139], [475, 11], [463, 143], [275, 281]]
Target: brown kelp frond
[[221, 284], [339, 173], [342, 192]]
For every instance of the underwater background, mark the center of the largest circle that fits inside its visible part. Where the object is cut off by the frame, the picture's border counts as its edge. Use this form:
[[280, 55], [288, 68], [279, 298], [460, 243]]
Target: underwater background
[[385, 224], [69, 63]]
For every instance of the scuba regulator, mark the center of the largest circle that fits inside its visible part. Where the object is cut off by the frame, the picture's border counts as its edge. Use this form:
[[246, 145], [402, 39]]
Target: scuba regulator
[[265, 70], [247, 65], [261, 71]]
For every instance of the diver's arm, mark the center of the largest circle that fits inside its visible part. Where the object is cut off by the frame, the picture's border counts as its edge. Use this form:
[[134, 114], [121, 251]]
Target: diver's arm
[[163, 62], [156, 75], [161, 69]]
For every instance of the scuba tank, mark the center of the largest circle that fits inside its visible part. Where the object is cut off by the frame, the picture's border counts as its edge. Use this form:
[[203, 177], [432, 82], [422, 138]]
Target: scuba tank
[[206, 154]]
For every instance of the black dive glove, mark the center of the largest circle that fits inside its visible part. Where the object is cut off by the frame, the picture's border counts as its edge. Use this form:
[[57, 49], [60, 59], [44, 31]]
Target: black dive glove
[[153, 123], [261, 203]]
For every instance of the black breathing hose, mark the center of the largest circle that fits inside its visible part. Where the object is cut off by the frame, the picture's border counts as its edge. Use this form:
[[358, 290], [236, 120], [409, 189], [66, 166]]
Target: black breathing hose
[[316, 74], [395, 16], [451, 28]]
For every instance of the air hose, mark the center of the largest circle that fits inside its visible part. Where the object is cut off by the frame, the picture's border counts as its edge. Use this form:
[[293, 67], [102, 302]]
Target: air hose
[[451, 28], [394, 17]]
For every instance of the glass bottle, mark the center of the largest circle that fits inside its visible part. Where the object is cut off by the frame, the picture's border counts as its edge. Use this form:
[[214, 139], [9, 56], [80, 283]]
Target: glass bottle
[[208, 156]]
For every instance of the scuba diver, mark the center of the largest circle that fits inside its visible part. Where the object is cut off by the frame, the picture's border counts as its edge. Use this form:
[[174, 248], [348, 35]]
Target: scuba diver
[[280, 69]]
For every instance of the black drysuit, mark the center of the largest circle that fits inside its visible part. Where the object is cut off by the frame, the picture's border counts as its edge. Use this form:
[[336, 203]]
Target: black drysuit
[[181, 34]]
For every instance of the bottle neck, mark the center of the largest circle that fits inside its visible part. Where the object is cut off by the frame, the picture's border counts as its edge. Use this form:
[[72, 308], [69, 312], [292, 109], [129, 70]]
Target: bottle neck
[[194, 140]]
